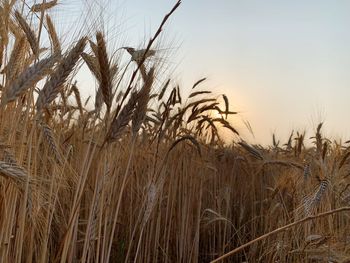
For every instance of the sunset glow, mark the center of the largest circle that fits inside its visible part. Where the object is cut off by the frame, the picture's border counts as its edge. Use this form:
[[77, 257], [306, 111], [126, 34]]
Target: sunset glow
[[284, 65]]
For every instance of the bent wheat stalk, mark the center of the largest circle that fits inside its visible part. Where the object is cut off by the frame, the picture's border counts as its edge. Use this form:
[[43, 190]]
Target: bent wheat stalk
[[280, 229]]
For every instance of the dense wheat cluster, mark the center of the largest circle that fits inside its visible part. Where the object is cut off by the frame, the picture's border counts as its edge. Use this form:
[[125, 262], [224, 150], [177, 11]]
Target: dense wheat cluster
[[143, 175]]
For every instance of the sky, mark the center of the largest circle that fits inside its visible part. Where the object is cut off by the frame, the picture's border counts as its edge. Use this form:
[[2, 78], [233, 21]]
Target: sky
[[283, 64]]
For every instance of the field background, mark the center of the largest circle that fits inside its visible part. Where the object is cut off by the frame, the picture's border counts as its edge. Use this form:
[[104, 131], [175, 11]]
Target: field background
[[145, 175]]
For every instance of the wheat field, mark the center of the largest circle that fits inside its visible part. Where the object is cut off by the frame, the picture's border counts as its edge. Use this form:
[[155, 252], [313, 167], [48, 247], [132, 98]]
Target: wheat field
[[144, 175]]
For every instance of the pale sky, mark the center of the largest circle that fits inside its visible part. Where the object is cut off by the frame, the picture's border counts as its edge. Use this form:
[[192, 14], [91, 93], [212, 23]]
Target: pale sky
[[284, 64]]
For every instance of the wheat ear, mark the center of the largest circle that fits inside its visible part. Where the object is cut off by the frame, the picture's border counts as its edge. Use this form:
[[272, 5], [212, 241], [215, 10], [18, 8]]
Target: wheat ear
[[121, 121], [33, 41], [29, 78], [93, 65], [56, 45], [106, 81], [53, 86], [43, 6], [142, 102], [50, 139], [16, 57]]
